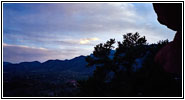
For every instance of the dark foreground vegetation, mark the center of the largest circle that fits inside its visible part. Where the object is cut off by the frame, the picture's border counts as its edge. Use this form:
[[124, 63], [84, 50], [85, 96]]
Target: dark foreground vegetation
[[126, 71]]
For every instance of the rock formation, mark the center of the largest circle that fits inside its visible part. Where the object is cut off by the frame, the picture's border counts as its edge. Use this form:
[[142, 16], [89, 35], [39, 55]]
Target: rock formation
[[170, 56]]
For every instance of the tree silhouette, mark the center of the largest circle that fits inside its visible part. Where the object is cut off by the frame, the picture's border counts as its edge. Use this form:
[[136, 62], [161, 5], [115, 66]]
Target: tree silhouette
[[125, 54], [101, 59], [130, 40], [128, 80], [129, 49]]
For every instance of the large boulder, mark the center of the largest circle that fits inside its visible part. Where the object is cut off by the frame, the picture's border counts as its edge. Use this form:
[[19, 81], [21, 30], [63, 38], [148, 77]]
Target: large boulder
[[170, 56]]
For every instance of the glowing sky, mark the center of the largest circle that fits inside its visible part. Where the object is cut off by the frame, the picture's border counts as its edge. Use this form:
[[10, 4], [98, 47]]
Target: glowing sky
[[42, 31]]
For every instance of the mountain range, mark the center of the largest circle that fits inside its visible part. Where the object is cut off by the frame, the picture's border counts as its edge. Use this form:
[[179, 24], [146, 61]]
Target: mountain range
[[50, 70]]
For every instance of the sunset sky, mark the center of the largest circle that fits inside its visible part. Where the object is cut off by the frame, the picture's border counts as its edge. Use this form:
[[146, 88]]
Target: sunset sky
[[43, 31]]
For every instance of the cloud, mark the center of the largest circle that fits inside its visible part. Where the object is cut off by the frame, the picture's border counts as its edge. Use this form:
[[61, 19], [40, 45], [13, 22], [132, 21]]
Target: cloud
[[87, 40], [22, 46], [65, 19], [74, 42], [77, 19], [14, 53]]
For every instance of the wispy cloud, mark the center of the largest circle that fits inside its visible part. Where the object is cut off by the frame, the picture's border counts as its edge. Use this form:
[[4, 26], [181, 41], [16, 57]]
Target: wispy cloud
[[73, 42], [79, 19], [87, 40], [22, 46]]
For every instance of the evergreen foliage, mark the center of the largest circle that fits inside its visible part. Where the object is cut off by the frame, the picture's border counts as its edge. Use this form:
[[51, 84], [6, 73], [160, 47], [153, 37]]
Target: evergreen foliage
[[128, 70]]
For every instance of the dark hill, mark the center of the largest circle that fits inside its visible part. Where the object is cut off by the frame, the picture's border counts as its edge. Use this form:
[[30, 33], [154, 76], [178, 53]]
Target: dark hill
[[6, 63], [65, 69]]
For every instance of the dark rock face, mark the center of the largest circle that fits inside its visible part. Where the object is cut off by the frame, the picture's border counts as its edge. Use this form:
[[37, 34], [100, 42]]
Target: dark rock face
[[170, 56], [169, 14]]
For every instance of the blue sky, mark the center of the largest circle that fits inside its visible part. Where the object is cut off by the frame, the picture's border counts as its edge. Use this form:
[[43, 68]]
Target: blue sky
[[42, 31]]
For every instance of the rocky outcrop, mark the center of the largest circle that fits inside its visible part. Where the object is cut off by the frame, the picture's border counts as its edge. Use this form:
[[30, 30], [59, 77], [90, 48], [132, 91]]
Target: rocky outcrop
[[170, 56]]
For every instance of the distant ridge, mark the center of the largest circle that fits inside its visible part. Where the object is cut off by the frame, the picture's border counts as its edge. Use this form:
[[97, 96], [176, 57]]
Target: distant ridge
[[6, 63], [70, 69]]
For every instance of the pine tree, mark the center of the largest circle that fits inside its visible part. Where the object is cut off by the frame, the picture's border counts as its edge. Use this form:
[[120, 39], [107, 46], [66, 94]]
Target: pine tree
[[129, 49], [101, 59]]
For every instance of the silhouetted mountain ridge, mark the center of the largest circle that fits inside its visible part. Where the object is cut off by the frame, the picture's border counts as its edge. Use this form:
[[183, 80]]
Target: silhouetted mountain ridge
[[6, 63], [49, 70]]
